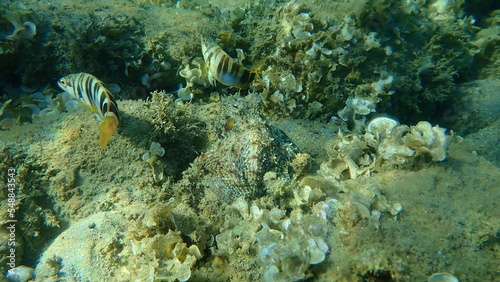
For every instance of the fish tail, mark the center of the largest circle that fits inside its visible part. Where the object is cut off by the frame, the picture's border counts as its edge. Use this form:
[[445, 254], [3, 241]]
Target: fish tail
[[107, 127]]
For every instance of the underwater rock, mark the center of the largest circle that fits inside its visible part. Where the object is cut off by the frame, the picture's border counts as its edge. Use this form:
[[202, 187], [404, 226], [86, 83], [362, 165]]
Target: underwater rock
[[478, 106], [20, 274], [442, 277], [85, 246], [102, 242]]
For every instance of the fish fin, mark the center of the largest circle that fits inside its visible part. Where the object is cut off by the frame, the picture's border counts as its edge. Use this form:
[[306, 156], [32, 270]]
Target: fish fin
[[92, 108], [211, 78], [258, 65], [107, 128]]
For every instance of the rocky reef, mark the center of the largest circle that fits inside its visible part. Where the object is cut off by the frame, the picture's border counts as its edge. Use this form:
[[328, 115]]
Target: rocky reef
[[311, 62], [339, 160]]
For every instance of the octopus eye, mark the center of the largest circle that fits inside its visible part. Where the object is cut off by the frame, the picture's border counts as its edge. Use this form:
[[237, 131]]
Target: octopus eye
[[229, 124]]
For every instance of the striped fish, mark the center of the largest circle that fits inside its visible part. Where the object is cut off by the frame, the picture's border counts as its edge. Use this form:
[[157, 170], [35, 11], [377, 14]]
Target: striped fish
[[223, 68], [89, 89]]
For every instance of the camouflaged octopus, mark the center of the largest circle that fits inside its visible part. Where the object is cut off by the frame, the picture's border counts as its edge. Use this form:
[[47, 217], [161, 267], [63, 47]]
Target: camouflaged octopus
[[237, 162]]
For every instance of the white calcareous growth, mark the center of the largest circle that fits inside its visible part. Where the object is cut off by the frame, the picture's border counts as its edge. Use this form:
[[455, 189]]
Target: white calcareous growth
[[155, 152], [397, 142], [193, 76], [385, 135], [424, 138], [442, 277], [302, 26], [286, 245], [382, 84], [360, 106], [20, 28], [356, 110], [381, 127]]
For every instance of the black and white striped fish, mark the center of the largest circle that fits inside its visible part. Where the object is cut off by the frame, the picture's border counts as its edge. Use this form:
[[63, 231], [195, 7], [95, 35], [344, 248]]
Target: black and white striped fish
[[223, 68], [93, 92]]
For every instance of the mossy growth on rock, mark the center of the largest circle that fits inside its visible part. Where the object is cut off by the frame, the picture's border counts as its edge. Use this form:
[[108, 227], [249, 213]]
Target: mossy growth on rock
[[179, 130]]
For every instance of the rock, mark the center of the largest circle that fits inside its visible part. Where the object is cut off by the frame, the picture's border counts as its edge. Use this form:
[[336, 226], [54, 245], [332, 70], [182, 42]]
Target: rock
[[478, 107], [86, 251]]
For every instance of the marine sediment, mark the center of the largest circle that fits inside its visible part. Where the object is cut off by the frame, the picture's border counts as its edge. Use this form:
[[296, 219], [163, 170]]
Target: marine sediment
[[337, 160]]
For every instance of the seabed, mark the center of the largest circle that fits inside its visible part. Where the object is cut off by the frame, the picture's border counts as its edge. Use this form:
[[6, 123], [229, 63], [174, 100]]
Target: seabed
[[366, 148]]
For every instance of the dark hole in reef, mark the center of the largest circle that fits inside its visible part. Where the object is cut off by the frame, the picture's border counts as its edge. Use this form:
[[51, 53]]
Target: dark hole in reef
[[480, 9], [378, 276]]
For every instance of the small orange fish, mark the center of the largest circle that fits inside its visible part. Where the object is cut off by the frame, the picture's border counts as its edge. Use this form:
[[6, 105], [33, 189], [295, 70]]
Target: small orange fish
[[93, 92]]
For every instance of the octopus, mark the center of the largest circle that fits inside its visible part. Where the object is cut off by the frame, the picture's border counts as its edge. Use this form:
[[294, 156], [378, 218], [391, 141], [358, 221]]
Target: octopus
[[237, 162]]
